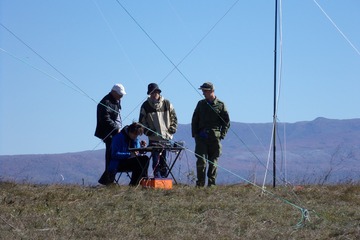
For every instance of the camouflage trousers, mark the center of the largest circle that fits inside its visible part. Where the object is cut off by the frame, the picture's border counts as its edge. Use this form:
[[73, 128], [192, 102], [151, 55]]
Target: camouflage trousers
[[207, 152]]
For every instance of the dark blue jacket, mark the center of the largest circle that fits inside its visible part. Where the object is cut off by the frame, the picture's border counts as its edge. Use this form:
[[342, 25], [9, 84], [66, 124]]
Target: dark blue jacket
[[120, 145]]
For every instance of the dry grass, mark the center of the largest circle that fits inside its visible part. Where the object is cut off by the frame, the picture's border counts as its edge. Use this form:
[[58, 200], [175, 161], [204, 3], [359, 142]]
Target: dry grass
[[224, 212]]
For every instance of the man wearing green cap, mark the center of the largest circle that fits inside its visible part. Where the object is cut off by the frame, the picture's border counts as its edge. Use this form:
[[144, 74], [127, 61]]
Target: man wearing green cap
[[209, 125]]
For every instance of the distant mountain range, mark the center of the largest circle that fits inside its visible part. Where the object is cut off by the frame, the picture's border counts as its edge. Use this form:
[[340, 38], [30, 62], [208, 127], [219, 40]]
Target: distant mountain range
[[319, 151]]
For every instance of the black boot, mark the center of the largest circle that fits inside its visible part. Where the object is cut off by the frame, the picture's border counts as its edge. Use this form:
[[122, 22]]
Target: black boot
[[106, 178]]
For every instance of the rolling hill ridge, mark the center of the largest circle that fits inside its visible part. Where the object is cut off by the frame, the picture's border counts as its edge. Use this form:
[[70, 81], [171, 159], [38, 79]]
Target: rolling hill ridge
[[318, 151]]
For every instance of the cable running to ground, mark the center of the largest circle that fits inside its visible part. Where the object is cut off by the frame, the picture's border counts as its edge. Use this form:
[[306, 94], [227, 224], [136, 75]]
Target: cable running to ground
[[176, 66]]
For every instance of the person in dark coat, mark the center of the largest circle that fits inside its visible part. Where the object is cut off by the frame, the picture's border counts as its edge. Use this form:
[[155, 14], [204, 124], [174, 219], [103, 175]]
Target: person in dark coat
[[108, 121]]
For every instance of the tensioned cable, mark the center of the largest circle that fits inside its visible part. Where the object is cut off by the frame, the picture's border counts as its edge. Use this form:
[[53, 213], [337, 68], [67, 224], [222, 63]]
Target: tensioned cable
[[280, 69], [304, 212], [341, 33], [347, 40], [337, 28], [176, 66], [188, 54], [279, 88], [38, 69], [116, 39], [106, 106], [19, 39], [160, 49], [279, 74], [152, 40], [77, 88], [127, 57], [52, 77], [147, 35], [231, 7], [80, 90]]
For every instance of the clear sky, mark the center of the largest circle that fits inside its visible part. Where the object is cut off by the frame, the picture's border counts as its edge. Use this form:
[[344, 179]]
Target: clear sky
[[94, 44]]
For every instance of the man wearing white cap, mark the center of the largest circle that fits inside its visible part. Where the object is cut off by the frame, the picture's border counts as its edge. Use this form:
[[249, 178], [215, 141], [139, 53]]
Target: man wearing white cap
[[108, 118]]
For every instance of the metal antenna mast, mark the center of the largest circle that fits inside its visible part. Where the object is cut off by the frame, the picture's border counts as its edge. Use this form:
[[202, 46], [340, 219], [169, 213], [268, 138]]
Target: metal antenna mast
[[274, 113]]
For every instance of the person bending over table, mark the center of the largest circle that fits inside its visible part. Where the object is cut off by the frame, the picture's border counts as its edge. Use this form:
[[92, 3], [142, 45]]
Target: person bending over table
[[122, 160]]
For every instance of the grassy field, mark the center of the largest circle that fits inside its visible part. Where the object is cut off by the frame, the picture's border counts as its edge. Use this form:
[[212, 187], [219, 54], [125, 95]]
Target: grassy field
[[224, 212]]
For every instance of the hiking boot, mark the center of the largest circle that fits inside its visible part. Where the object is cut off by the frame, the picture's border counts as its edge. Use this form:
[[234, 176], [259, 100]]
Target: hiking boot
[[106, 178]]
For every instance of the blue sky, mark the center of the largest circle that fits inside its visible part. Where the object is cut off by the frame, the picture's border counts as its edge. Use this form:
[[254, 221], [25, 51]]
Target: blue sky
[[96, 44]]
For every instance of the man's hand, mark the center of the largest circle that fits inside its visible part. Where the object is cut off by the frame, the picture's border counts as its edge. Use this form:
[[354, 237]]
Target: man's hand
[[134, 154], [142, 143]]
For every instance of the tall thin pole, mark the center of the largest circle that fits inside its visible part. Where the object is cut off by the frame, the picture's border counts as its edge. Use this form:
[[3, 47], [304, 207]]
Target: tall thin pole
[[274, 113]]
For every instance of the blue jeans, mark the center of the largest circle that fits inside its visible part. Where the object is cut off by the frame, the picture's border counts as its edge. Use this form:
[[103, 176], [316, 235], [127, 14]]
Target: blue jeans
[[159, 164]]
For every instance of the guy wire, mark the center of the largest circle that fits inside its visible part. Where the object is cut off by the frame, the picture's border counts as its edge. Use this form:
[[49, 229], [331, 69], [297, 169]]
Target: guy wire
[[79, 89], [176, 66], [58, 71], [337, 28], [117, 40], [38, 69], [165, 55]]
